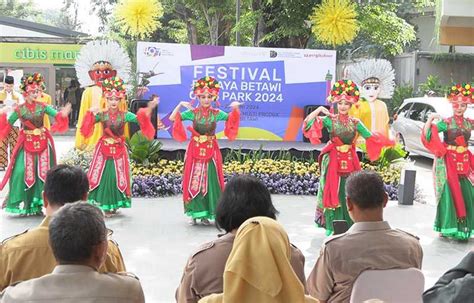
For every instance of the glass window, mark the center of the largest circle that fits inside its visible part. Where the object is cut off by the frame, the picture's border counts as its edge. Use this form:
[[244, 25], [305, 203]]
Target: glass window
[[402, 112], [427, 113], [416, 111]]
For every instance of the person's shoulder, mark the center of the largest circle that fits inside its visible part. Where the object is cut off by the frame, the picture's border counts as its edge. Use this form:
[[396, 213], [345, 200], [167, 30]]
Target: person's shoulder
[[296, 251], [203, 248], [354, 120], [334, 240], [214, 247], [13, 239], [29, 237], [406, 234], [36, 237], [123, 279], [123, 276]]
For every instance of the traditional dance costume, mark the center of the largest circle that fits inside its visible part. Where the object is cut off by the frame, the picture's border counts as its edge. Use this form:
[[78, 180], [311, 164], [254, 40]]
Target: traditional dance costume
[[453, 169], [97, 61], [203, 177], [8, 144], [34, 153], [339, 158], [109, 172]]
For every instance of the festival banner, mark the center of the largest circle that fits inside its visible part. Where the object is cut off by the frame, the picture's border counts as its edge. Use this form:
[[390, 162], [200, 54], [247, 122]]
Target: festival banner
[[273, 84]]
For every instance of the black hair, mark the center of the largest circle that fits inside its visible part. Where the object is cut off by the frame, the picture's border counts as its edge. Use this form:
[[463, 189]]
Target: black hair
[[244, 197], [65, 184], [365, 189], [74, 230]]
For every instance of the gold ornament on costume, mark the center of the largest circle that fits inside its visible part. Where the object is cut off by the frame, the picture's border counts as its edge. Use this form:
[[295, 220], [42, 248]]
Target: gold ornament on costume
[[334, 22], [139, 18]]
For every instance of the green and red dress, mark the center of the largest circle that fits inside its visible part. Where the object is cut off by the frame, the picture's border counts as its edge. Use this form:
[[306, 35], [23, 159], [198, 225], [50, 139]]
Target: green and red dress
[[337, 161], [453, 172], [32, 157], [109, 172], [203, 177]]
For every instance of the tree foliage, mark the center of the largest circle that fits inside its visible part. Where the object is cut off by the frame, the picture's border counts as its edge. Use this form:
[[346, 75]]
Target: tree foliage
[[18, 9], [103, 10], [383, 29]]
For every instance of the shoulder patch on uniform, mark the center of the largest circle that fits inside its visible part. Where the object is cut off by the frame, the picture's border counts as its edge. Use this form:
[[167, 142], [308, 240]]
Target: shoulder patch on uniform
[[405, 232], [333, 237], [128, 274], [13, 237], [203, 247]]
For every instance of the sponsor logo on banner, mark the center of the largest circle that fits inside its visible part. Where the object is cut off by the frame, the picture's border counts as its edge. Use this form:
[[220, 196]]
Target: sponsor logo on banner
[[285, 54], [318, 56], [152, 51]]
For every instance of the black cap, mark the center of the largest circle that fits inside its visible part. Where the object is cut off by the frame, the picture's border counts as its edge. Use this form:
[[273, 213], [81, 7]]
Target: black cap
[[9, 80]]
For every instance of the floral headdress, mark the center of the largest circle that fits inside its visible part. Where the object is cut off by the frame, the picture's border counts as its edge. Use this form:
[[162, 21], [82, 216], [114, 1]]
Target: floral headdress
[[40, 80], [206, 84], [31, 82], [344, 89], [113, 87], [461, 93]]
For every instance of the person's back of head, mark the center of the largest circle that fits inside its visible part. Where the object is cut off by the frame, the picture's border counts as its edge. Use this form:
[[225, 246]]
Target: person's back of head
[[77, 235], [244, 197], [65, 184], [366, 196], [260, 264]]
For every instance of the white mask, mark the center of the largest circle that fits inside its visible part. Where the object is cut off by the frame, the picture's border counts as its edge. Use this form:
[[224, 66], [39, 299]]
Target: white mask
[[370, 91]]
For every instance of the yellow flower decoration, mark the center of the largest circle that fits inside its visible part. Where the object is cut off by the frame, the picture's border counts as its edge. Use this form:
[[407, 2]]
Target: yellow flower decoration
[[334, 22], [138, 18]]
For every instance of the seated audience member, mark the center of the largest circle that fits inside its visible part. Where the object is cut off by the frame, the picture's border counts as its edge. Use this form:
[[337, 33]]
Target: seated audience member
[[369, 244], [244, 197], [78, 239], [456, 285], [28, 255], [258, 268]]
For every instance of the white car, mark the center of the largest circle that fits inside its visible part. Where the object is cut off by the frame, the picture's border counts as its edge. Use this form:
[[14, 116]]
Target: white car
[[410, 118]]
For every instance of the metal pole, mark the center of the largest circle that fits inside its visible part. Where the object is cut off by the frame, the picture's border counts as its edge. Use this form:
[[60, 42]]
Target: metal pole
[[237, 18]]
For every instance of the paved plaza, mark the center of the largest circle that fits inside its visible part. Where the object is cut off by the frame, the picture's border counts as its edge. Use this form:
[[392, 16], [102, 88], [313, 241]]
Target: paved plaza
[[156, 240]]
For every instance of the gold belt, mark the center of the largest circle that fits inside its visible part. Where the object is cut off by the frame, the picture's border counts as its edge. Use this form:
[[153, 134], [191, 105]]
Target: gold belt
[[36, 131], [458, 149], [110, 141], [344, 148], [203, 138]]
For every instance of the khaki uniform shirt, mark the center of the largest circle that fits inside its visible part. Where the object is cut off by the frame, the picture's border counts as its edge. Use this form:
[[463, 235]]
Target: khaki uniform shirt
[[28, 255], [366, 245], [203, 274], [76, 283]]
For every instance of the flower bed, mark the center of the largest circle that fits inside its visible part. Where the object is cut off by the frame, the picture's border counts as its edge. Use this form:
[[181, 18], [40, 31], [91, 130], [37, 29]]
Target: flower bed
[[163, 178], [280, 177]]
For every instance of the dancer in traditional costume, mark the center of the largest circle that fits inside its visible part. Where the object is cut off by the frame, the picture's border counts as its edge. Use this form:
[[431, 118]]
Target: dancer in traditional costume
[[109, 172], [9, 98], [338, 158], [203, 177], [376, 78], [97, 61], [34, 153], [453, 167]]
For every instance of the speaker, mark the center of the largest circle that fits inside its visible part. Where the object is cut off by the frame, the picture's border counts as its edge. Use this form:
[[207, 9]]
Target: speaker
[[406, 188], [308, 109], [135, 105]]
